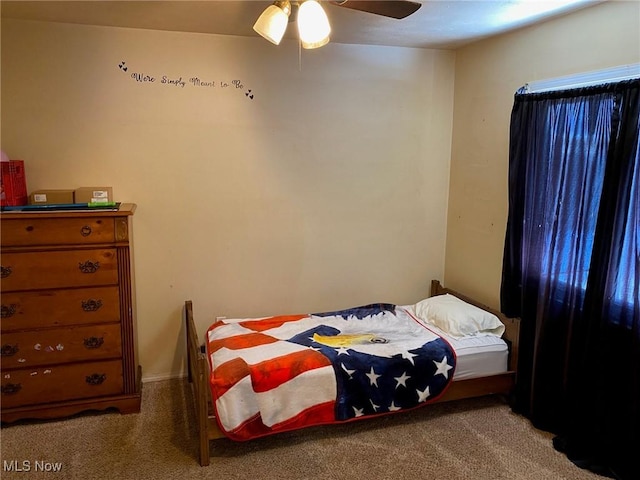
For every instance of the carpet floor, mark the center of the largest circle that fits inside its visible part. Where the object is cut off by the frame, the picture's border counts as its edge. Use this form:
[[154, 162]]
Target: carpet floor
[[467, 439]]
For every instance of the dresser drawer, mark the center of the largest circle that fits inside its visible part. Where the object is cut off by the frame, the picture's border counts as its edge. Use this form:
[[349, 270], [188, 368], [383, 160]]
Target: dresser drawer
[[54, 308], [58, 269], [64, 345], [58, 383], [56, 231]]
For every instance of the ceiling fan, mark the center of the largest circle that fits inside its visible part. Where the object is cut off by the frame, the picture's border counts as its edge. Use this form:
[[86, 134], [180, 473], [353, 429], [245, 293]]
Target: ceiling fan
[[313, 24], [392, 8]]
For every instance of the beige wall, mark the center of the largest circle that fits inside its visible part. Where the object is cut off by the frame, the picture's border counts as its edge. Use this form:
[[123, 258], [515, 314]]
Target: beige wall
[[326, 190], [488, 73]]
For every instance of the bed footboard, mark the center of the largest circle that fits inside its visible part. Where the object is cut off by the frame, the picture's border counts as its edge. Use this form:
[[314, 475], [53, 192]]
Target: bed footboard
[[198, 375]]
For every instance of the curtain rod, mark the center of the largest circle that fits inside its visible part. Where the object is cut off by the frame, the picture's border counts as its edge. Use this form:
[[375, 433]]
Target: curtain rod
[[606, 75]]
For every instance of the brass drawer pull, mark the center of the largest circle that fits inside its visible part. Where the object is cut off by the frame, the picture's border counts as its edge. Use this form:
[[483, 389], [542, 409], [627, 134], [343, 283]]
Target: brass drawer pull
[[91, 305], [93, 342], [11, 388], [85, 231], [8, 310], [5, 271], [89, 266], [96, 378], [9, 350]]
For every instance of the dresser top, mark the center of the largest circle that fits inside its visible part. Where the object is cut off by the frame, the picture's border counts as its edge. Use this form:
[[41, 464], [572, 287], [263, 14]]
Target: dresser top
[[125, 209]]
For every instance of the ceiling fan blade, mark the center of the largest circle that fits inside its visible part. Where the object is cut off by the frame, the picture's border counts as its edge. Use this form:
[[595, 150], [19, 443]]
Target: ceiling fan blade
[[387, 8]]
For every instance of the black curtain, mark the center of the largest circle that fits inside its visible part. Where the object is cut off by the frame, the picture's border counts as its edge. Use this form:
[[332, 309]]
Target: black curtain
[[571, 270]]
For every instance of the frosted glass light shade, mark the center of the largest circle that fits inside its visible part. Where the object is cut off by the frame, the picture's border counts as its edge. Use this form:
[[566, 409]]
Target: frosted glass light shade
[[272, 23], [313, 25]]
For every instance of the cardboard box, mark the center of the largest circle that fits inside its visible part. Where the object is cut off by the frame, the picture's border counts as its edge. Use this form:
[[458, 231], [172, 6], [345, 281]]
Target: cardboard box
[[13, 184], [93, 195], [50, 197]]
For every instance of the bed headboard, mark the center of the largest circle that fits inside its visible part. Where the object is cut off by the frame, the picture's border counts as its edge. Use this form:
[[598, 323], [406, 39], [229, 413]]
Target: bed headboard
[[512, 325]]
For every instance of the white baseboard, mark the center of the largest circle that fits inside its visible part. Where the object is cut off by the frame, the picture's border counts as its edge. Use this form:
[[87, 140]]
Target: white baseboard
[[160, 378]]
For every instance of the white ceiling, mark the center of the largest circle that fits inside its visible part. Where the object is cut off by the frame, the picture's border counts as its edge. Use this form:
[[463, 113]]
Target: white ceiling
[[437, 24]]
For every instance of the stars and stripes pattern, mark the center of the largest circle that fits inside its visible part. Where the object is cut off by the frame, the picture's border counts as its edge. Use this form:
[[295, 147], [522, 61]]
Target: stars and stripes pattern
[[286, 372]]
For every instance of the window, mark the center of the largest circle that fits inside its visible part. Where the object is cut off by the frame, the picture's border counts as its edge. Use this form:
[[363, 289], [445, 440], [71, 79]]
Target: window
[[574, 221]]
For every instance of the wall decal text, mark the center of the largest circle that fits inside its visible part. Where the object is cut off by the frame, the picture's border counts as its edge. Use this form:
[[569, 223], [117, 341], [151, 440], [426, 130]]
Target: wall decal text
[[186, 81]]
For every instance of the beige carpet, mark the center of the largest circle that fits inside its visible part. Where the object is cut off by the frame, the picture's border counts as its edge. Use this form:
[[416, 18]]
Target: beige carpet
[[468, 439]]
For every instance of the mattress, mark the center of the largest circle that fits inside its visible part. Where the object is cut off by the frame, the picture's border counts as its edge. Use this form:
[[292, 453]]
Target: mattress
[[477, 355]]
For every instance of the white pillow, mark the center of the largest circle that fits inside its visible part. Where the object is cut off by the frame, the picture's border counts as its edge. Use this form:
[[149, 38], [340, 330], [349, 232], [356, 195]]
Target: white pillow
[[458, 318]]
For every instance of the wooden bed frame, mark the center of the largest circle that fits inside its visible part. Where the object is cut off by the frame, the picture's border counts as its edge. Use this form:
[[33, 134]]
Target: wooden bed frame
[[198, 372]]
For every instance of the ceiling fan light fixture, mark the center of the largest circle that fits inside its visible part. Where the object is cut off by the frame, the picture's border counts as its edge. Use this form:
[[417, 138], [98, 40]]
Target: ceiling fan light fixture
[[272, 23], [313, 25]]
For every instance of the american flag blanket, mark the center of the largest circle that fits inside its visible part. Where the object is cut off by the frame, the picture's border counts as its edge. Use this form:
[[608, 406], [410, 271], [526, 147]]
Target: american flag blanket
[[282, 373]]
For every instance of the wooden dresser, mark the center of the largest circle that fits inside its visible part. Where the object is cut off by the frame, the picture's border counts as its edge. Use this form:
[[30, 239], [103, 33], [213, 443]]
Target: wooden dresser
[[68, 314]]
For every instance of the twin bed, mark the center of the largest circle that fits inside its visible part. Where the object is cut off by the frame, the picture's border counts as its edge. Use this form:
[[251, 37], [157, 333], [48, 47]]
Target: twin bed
[[256, 377]]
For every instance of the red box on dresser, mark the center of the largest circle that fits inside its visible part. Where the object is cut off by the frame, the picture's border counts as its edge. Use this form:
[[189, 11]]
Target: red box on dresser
[[14, 184]]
